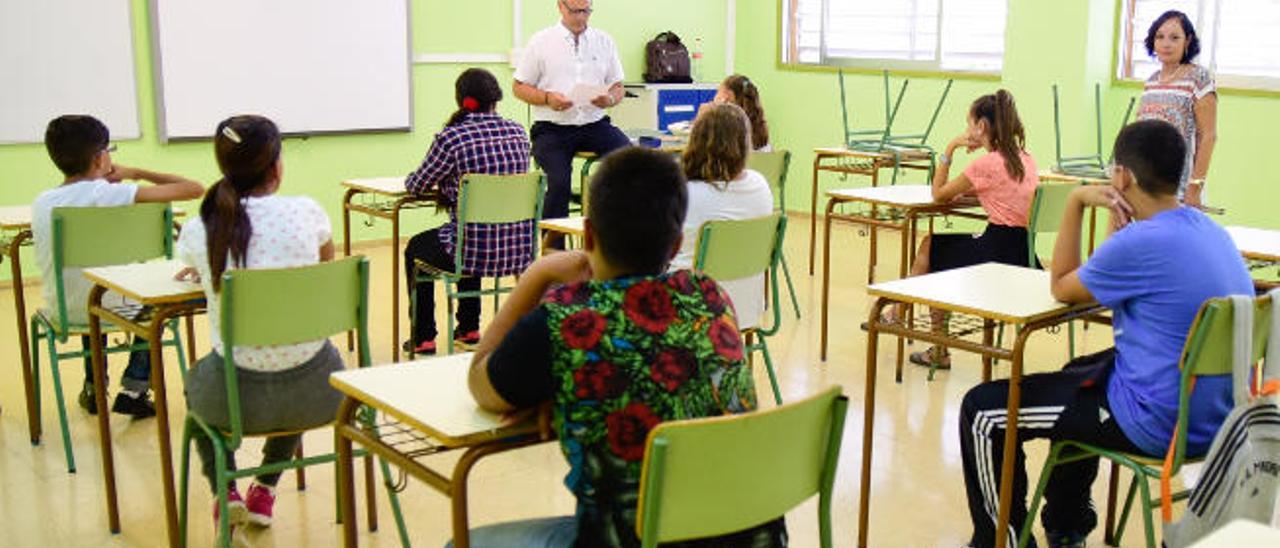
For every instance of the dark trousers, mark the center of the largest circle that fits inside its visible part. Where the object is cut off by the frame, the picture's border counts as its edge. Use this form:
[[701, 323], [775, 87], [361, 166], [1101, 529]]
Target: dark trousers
[[1069, 404], [554, 146], [427, 248], [137, 376]]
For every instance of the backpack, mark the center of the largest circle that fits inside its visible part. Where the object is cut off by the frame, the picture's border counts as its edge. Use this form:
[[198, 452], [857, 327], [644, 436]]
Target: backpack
[[666, 60], [1241, 474]]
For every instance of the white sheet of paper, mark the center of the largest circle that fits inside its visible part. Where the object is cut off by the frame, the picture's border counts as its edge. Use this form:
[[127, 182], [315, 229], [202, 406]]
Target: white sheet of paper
[[582, 94]]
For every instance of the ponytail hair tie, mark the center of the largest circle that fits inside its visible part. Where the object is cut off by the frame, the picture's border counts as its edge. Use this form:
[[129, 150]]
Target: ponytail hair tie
[[231, 134], [470, 104]]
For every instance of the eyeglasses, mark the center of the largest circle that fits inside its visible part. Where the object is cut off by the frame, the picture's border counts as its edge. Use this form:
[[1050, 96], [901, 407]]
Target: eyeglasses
[[576, 11], [1113, 169], [111, 147]]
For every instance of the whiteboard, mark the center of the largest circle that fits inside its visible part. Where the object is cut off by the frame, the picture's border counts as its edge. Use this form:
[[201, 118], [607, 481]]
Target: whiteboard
[[66, 57], [312, 66]]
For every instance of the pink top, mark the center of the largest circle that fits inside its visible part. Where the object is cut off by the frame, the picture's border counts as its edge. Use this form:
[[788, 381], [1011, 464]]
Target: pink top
[[1007, 201]]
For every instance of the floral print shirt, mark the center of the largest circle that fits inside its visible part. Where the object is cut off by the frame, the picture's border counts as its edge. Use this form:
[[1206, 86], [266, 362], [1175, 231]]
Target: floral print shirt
[[616, 358]]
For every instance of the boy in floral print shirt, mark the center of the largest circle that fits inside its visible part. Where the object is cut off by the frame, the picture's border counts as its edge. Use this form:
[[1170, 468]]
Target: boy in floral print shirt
[[617, 346]]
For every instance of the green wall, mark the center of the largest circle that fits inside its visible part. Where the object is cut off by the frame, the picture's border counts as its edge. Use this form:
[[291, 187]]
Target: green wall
[[802, 104], [1068, 43], [314, 166]]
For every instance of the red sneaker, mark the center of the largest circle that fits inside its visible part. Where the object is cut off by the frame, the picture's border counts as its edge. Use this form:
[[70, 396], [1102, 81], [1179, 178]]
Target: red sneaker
[[236, 511], [426, 348], [261, 499], [470, 337]]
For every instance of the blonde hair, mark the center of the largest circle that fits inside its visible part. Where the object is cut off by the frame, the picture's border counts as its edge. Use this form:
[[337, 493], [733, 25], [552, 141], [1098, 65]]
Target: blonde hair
[[718, 145]]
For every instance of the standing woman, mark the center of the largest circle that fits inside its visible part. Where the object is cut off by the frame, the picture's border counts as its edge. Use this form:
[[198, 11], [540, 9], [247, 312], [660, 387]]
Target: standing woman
[[476, 140], [741, 91], [1183, 94]]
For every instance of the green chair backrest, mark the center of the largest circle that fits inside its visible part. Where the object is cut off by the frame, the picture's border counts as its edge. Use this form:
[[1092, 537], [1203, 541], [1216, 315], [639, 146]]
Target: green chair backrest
[[728, 250], [1208, 351], [712, 476], [85, 237], [1046, 213], [261, 307], [773, 165], [494, 199]]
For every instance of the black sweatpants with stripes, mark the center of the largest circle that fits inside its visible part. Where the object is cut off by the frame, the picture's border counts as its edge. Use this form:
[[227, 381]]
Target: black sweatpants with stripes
[[1069, 404]]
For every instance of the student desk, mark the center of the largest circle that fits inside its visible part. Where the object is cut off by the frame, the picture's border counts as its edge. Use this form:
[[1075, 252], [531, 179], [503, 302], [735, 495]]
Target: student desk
[[387, 198], [1260, 247], [15, 233], [857, 162], [425, 409], [978, 296], [912, 201], [567, 226], [152, 285]]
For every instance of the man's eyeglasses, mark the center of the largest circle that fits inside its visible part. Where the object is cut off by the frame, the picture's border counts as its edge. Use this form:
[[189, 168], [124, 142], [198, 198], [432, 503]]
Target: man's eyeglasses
[[111, 147], [576, 11]]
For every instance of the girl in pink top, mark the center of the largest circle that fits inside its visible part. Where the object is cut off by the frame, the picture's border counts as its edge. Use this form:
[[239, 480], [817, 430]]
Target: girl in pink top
[[1004, 180]]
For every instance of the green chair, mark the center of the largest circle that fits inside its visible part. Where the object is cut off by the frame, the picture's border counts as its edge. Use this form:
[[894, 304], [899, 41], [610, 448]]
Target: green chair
[[773, 165], [729, 250], [1208, 351], [485, 199], [903, 147], [273, 307], [85, 237], [713, 476], [1088, 165]]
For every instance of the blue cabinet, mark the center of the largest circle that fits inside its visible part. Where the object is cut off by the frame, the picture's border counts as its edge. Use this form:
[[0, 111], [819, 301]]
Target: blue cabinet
[[657, 106]]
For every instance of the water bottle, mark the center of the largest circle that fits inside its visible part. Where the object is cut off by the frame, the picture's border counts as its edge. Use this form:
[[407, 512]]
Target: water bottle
[[695, 67]]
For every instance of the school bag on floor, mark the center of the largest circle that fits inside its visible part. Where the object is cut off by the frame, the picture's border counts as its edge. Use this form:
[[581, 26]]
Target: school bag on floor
[[1241, 474], [666, 60]]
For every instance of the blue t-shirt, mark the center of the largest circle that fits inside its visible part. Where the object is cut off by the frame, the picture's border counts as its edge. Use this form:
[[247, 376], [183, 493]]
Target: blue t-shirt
[[1154, 275]]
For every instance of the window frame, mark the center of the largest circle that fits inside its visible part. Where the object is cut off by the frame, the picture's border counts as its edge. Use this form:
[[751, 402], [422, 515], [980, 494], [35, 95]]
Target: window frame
[[1122, 61], [788, 53]]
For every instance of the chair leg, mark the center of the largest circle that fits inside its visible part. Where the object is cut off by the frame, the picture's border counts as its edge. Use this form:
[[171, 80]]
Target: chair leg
[[1071, 340], [449, 298], [1113, 486], [35, 371], [184, 476], [1128, 505], [768, 366], [220, 480], [791, 288], [175, 342], [1147, 510], [413, 312], [1027, 524], [61, 401], [394, 498], [301, 471]]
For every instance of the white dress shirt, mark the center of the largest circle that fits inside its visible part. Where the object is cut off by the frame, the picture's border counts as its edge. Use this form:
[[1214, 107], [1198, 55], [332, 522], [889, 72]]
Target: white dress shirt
[[554, 61]]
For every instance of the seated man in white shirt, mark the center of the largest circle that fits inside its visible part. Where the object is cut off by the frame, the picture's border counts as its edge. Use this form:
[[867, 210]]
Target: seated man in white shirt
[[569, 73]]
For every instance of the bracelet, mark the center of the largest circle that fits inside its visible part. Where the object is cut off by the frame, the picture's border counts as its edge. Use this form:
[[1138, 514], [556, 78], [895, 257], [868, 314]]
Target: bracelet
[[944, 159], [1198, 182]]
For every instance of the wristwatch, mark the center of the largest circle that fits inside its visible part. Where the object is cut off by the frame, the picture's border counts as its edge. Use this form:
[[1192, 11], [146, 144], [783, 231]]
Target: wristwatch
[[944, 159], [1198, 182]]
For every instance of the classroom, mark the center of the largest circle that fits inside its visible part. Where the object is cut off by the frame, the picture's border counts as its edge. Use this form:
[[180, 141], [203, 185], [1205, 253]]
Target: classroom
[[707, 275]]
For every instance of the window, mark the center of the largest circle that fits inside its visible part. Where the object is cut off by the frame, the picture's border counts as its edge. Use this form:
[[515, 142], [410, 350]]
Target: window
[[1238, 42], [944, 35]]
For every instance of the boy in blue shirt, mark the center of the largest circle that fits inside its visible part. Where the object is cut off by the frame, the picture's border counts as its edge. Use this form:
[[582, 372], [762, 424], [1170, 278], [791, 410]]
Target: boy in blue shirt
[[1154, 273]]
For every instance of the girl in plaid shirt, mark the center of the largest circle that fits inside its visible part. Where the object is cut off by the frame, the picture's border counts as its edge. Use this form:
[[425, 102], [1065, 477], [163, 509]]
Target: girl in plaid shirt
[[474, 140]]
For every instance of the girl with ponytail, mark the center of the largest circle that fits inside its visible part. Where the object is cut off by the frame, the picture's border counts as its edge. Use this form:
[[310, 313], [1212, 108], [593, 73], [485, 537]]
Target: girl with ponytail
[[474, 140], [243, 223], [741, 91], [1003, 179]]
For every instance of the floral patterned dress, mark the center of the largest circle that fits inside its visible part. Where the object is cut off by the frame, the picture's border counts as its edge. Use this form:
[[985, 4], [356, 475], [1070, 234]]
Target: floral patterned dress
[[624, 356]]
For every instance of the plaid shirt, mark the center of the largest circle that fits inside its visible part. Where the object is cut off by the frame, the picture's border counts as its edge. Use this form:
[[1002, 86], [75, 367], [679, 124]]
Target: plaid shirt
[[482, 143]]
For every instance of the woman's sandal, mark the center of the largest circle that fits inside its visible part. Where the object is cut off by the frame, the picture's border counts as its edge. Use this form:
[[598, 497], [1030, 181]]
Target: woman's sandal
[[935, 357]]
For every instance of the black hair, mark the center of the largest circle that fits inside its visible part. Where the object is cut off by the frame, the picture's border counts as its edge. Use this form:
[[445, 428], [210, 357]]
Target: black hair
[[478, 85], [1155, 152], [1193, 41], [247, 148], [637, 207], [74, 140]]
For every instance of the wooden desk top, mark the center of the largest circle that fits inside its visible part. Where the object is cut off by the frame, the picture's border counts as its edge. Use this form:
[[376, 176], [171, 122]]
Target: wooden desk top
[[993, 291], [895, 195], [430, 395], [1053, 176], [572, 226], [1241, 533], [149, 283], [386, 186], [907, 153], [19, 217], [1256, 243]]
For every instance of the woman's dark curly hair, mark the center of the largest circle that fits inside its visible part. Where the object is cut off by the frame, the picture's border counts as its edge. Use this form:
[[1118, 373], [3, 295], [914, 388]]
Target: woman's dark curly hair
[[1193, 41]]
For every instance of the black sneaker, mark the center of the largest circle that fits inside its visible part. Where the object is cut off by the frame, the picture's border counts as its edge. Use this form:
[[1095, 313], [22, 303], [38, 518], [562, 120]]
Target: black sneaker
[[1064, 539], [86, 399], [138, 408]]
